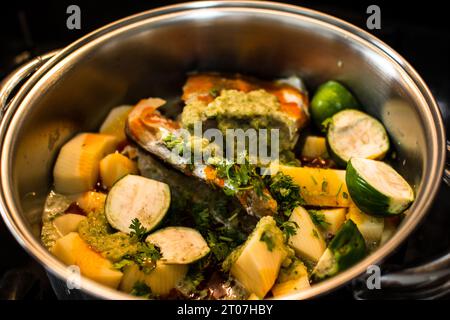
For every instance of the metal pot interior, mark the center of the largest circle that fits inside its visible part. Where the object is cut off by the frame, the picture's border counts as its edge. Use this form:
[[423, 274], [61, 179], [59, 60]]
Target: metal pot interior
[[151, 55]]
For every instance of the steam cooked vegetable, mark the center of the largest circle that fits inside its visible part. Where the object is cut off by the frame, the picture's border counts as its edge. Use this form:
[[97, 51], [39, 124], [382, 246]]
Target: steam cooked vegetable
[[329, 220], [76, 168], [291, 279], [370, 227], [160, 280], [330, 98], [319, 187], [115, 166], [114, 123], [307, 241], [352, 133], [346, 249], [376, 188], [136, 197], [72, 250], [179, 245], [67, 223], [315, 147], [256, 263]]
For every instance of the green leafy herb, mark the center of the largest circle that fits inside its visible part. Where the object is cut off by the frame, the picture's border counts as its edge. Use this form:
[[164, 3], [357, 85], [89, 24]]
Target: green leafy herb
[[267, 238], [122, 263], [215, 92], [140, 289], [138, 231], [324, 186], [339, 190], [285, 192], [315, 234], [289, 228], [146, 257], [318, 218], [220, 249], [345, 195], [171, 141]]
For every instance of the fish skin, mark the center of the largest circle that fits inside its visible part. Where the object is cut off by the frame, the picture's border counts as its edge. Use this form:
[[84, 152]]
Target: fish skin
[[147, 127]]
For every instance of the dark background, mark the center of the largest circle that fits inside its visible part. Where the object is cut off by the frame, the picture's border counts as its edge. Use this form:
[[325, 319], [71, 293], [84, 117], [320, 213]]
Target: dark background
[[419, 32]]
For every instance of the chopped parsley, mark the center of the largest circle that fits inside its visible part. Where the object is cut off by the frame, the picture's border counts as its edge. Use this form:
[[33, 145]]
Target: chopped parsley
[[140, 289], [138, 231], [324, 186], [318, 218], [268, 239], [285, 192]]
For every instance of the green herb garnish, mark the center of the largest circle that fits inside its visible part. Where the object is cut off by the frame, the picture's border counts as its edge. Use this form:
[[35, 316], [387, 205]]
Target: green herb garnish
[[138, 231], [285, 192], [318, 218], [267, 238]]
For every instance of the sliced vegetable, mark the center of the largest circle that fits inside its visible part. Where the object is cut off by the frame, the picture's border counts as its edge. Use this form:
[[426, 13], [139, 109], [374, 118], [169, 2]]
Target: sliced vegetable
[[76, 168], [135, 197], [319, 187], [291, 279], [376, 188], [165, 277], [315, 147], [162, 279], [72, 250], [115, 166], [179, 245], [346, 249], [352, 133], [67, 223], [370, 227], [331, 220], [114, 123], [307, 241], [256, 263], [253, 297], [91, 201], [390, 226], [330, 98]]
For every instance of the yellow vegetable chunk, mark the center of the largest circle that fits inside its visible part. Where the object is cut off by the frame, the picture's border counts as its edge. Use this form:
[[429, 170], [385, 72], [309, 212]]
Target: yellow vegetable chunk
[[315, 147], [334, 218], [91, 201], [72, 250], [253, 297], [319, 187], [114, 123], [77, 166], [370, 227], [165, 277], [308, 243], [67, 223], [256, 264], [291, 280], [161, 280], [115, 166]]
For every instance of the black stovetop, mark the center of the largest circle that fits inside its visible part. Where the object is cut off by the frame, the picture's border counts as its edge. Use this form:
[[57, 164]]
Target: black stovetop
[[420, 34]]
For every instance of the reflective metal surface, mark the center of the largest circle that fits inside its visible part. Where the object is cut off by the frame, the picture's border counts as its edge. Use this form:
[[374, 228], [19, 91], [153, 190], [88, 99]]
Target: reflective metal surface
[[149, 54]]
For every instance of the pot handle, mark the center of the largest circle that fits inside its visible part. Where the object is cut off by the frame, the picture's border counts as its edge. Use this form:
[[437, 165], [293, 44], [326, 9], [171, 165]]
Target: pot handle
[[12, 82]]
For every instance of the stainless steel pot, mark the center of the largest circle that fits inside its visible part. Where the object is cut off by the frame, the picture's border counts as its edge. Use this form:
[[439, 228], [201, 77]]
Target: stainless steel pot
[[149, 54]]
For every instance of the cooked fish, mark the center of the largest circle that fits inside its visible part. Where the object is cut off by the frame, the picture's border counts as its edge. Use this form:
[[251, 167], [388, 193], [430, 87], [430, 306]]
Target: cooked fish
[[149, 129]]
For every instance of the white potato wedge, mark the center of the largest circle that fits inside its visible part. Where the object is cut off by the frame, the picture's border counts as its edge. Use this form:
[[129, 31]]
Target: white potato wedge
[[115, 166], [114, 123], [67, 223], [77, 166], [308, 242]]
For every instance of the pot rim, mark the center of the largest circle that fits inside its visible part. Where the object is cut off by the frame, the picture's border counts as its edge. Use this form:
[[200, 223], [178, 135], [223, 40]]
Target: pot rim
[[433, 171]]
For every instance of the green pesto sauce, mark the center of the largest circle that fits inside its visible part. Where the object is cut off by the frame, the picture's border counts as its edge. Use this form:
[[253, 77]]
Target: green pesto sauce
[[234, 109], [97, 232]]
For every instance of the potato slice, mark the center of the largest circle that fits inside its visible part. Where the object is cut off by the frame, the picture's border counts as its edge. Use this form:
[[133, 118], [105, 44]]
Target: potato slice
[[67, 223], [77, 165], [307, 242], [72, 250], [115, 166]]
